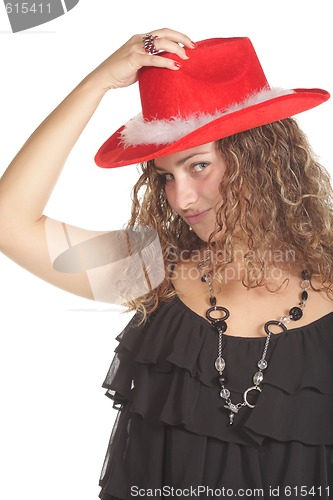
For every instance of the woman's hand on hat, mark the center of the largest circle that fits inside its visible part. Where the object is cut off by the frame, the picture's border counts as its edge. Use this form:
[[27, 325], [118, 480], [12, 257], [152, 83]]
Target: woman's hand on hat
[[121, 68]]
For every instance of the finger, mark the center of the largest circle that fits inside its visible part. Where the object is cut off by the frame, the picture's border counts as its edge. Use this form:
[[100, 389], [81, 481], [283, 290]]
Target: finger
[[169, 41], [170, 46], [175, 36], [158, 62]]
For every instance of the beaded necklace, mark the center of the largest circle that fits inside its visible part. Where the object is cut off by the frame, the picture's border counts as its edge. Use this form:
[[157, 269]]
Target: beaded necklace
[[220, 326]]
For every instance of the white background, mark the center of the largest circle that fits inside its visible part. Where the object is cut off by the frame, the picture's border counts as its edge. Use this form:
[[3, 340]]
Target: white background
[[55, 348]]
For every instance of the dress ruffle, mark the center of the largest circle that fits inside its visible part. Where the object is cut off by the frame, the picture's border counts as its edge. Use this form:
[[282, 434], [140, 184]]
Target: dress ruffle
[[172, 418]]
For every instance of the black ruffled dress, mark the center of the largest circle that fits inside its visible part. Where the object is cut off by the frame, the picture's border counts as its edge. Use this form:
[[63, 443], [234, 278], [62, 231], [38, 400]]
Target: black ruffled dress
[[172, 438]]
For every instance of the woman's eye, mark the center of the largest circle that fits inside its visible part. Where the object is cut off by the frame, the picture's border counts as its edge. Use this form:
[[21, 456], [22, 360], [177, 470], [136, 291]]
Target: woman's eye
[[167, 177], [198, 167]]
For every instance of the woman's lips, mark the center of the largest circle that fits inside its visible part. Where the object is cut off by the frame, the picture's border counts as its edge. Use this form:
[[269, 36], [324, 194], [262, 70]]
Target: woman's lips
[[194, 219]]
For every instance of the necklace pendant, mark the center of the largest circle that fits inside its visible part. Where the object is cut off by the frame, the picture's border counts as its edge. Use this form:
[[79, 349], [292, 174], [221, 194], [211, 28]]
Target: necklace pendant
[[234, 409], [231, 418]]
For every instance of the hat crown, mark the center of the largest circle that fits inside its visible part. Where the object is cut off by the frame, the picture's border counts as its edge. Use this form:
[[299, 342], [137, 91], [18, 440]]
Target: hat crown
[[219, 73], [221, 90]]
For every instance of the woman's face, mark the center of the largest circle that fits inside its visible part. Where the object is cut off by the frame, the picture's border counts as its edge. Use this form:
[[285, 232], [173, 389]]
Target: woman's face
[[192, 180]]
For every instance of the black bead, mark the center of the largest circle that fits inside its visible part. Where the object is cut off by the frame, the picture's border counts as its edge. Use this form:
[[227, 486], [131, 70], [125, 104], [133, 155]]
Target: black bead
[[304, 295], [305, 275], [220, 324], [296, 313], [222, 380], [213, 301], [204, 278]]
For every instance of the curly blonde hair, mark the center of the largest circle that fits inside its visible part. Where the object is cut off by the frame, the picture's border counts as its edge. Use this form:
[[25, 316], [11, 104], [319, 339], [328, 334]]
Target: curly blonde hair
[[286, 204]]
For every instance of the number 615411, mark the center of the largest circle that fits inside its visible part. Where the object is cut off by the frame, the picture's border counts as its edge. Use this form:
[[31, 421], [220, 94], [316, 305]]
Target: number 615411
[[25, 8]]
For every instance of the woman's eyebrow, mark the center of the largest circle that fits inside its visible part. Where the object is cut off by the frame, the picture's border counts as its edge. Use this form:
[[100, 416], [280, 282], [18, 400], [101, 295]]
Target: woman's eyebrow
[[160, 170], [181, 161]]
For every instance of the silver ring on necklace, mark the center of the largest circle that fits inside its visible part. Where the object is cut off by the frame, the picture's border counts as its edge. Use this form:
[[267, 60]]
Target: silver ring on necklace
[[253, 388]]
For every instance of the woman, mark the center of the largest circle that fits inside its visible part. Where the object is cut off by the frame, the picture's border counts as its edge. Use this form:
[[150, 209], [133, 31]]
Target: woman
[[219, 392]]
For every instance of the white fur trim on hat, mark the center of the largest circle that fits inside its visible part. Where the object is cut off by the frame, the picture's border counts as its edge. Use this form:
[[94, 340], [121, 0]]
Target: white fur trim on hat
[[139, 131]]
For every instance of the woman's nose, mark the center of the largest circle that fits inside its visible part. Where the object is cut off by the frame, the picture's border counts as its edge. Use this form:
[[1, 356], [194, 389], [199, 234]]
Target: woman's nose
[[186, 193]]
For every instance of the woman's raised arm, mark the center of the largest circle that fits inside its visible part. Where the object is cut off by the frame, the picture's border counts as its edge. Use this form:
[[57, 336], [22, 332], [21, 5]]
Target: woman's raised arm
[[30, 178]]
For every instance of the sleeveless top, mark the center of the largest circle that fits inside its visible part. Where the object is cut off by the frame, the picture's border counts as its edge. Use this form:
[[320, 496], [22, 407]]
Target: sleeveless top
[[171, 437]]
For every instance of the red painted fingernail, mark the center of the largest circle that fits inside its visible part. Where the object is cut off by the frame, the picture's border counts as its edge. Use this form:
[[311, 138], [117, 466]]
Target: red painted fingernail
[[178, 65], [193, 45]]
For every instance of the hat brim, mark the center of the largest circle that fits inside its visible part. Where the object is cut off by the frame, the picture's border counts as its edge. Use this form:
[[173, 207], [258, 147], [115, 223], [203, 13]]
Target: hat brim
[[113, 153]]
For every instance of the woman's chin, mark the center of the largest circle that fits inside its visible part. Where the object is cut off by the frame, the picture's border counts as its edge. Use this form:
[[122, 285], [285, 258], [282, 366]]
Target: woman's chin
[[204, 234]]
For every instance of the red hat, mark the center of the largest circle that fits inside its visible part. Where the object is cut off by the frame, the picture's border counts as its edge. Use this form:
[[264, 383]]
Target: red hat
[[220, 90]]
